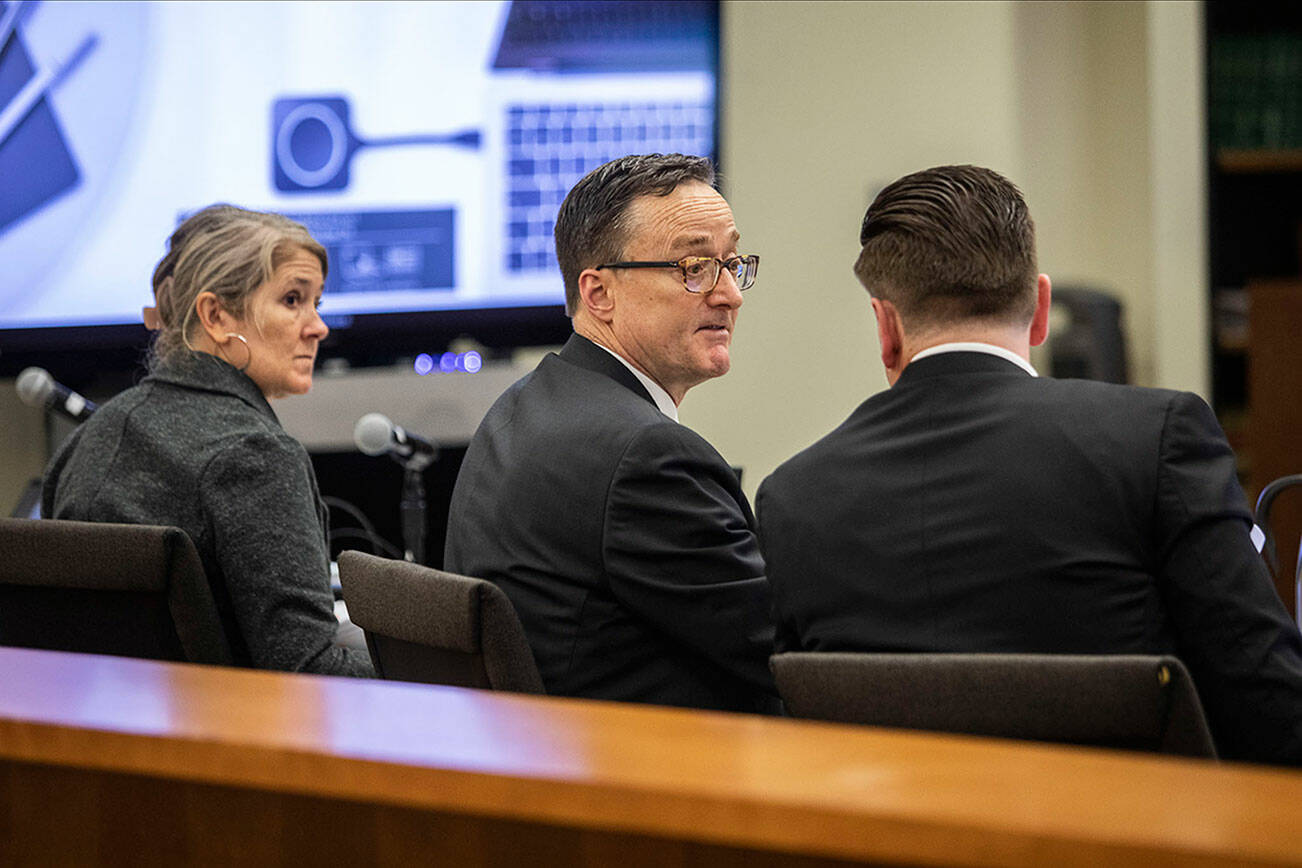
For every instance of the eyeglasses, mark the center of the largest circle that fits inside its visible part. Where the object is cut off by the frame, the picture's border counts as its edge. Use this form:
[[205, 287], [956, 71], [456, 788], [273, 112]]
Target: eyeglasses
[[701, 273]]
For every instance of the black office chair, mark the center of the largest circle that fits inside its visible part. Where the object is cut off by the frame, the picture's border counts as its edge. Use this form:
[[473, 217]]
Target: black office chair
[[1089, 345], [1133, 702], [101, 588], [436, 627], [1265, 501]]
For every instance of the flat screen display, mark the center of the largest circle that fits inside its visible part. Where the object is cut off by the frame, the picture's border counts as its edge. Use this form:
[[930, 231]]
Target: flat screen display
[[426, 145]]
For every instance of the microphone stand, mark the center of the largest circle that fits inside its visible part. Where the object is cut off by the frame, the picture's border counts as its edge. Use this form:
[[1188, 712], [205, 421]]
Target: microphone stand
[[413, 508], [375, 434]]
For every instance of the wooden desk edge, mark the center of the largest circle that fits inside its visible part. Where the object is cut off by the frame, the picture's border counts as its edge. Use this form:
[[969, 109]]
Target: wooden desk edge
[[744, 820]]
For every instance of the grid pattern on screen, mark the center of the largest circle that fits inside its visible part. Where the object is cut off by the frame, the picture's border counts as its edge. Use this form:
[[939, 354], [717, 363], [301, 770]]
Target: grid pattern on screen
[[550, 147]]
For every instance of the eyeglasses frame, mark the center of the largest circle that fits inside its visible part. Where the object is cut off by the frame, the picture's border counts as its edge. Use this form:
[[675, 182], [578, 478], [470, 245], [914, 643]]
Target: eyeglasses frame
[[681, 265]]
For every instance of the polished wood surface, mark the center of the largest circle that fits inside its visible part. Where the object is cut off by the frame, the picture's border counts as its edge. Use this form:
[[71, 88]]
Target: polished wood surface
[[407, 760]]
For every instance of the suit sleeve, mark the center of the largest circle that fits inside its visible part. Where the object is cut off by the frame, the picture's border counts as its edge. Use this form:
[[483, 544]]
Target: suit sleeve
[[786, 635], [1233, 632], [271, 549], [680, 550]]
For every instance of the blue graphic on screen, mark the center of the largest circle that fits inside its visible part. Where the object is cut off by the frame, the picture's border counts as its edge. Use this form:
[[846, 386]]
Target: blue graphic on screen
[[312, 143], [428, 146], [608, 36], [552, 146], [36, 163], [379, 251]]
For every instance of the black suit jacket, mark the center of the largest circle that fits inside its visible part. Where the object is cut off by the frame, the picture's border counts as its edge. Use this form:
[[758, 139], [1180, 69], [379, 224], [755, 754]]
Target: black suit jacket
[[973, 507], [622, 538]]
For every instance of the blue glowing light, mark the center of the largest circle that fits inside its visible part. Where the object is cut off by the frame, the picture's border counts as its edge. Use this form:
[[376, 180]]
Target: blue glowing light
[[469, 362]]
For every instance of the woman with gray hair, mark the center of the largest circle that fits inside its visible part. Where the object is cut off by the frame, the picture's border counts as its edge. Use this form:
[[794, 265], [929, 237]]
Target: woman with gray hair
[[196, 445]]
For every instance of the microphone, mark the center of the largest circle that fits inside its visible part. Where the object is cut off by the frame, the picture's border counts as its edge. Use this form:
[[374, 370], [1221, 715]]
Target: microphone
[[374, 434], [36, 388]]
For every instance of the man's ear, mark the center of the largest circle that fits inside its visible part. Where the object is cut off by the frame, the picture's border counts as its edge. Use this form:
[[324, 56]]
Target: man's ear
[[595, 296], [890, 333], [1040, 319]]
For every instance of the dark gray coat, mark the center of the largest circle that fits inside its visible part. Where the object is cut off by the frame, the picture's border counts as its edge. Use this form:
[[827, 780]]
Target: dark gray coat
[[197, 446]]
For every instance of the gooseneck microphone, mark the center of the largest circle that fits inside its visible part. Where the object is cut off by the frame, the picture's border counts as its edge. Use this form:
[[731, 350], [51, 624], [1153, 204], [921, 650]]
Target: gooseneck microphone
[[36, 388], [375, 435]]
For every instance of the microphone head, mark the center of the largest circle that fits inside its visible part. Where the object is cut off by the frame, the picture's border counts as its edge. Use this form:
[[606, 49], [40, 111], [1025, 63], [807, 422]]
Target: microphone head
[[35, 386], [373, 434]]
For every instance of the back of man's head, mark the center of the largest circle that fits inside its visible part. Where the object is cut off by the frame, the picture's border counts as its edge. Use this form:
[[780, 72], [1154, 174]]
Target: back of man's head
[[593, 227], [949, 245]]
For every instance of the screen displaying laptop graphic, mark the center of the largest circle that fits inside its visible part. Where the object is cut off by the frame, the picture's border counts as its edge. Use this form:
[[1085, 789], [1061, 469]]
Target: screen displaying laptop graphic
[[427, 145]]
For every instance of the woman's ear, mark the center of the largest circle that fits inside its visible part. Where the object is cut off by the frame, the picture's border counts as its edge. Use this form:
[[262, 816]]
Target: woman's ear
[[214, 319]]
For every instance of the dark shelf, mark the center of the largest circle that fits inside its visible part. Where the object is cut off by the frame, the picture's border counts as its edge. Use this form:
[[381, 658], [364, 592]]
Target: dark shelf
[[1255, 161], [1254, 192]]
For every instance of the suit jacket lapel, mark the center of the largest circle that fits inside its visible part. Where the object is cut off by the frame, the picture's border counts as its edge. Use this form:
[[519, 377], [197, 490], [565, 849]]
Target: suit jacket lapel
[[585, 354]]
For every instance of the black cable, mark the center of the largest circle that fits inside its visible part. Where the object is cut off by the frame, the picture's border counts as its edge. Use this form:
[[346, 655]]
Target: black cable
[[340, 503], [377, 542], [367, 530]]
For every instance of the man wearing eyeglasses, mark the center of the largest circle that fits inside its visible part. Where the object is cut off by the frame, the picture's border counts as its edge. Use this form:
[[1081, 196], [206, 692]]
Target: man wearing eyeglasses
[[621, 536]]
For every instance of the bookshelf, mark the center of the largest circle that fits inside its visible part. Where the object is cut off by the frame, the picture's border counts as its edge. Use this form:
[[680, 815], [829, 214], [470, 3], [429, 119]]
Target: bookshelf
[[1254, 132]]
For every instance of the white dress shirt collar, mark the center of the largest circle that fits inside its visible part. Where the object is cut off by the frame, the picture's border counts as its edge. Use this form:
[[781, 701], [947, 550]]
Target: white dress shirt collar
[[977, 347], [663, 402]]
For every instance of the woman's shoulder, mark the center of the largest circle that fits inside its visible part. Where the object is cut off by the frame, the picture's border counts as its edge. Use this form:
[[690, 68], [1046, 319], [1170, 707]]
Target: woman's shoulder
[[193, 431], [255, 469], [210, 408]]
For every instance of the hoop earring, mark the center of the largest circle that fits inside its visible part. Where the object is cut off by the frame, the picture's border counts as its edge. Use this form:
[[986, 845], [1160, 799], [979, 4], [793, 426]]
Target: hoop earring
[[247, 349]]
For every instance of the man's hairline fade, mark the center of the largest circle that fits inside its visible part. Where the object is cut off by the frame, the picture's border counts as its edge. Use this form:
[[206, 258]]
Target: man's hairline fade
[[950, 244], [593, 224]]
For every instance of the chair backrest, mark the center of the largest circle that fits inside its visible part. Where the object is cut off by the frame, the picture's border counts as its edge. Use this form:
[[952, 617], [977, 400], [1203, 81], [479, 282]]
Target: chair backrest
[[101, 588], [1124, 701], [436, 627], [1090, 345], [1269, 550]]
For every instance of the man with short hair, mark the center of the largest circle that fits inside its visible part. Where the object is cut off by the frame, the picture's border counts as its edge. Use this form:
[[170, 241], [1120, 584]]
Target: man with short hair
[[974, 507], [622, 537]]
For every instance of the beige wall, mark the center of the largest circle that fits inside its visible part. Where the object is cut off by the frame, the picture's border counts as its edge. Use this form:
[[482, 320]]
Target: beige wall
[[1083, 124], [22, 445], [827, 101], [1181, 325]]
